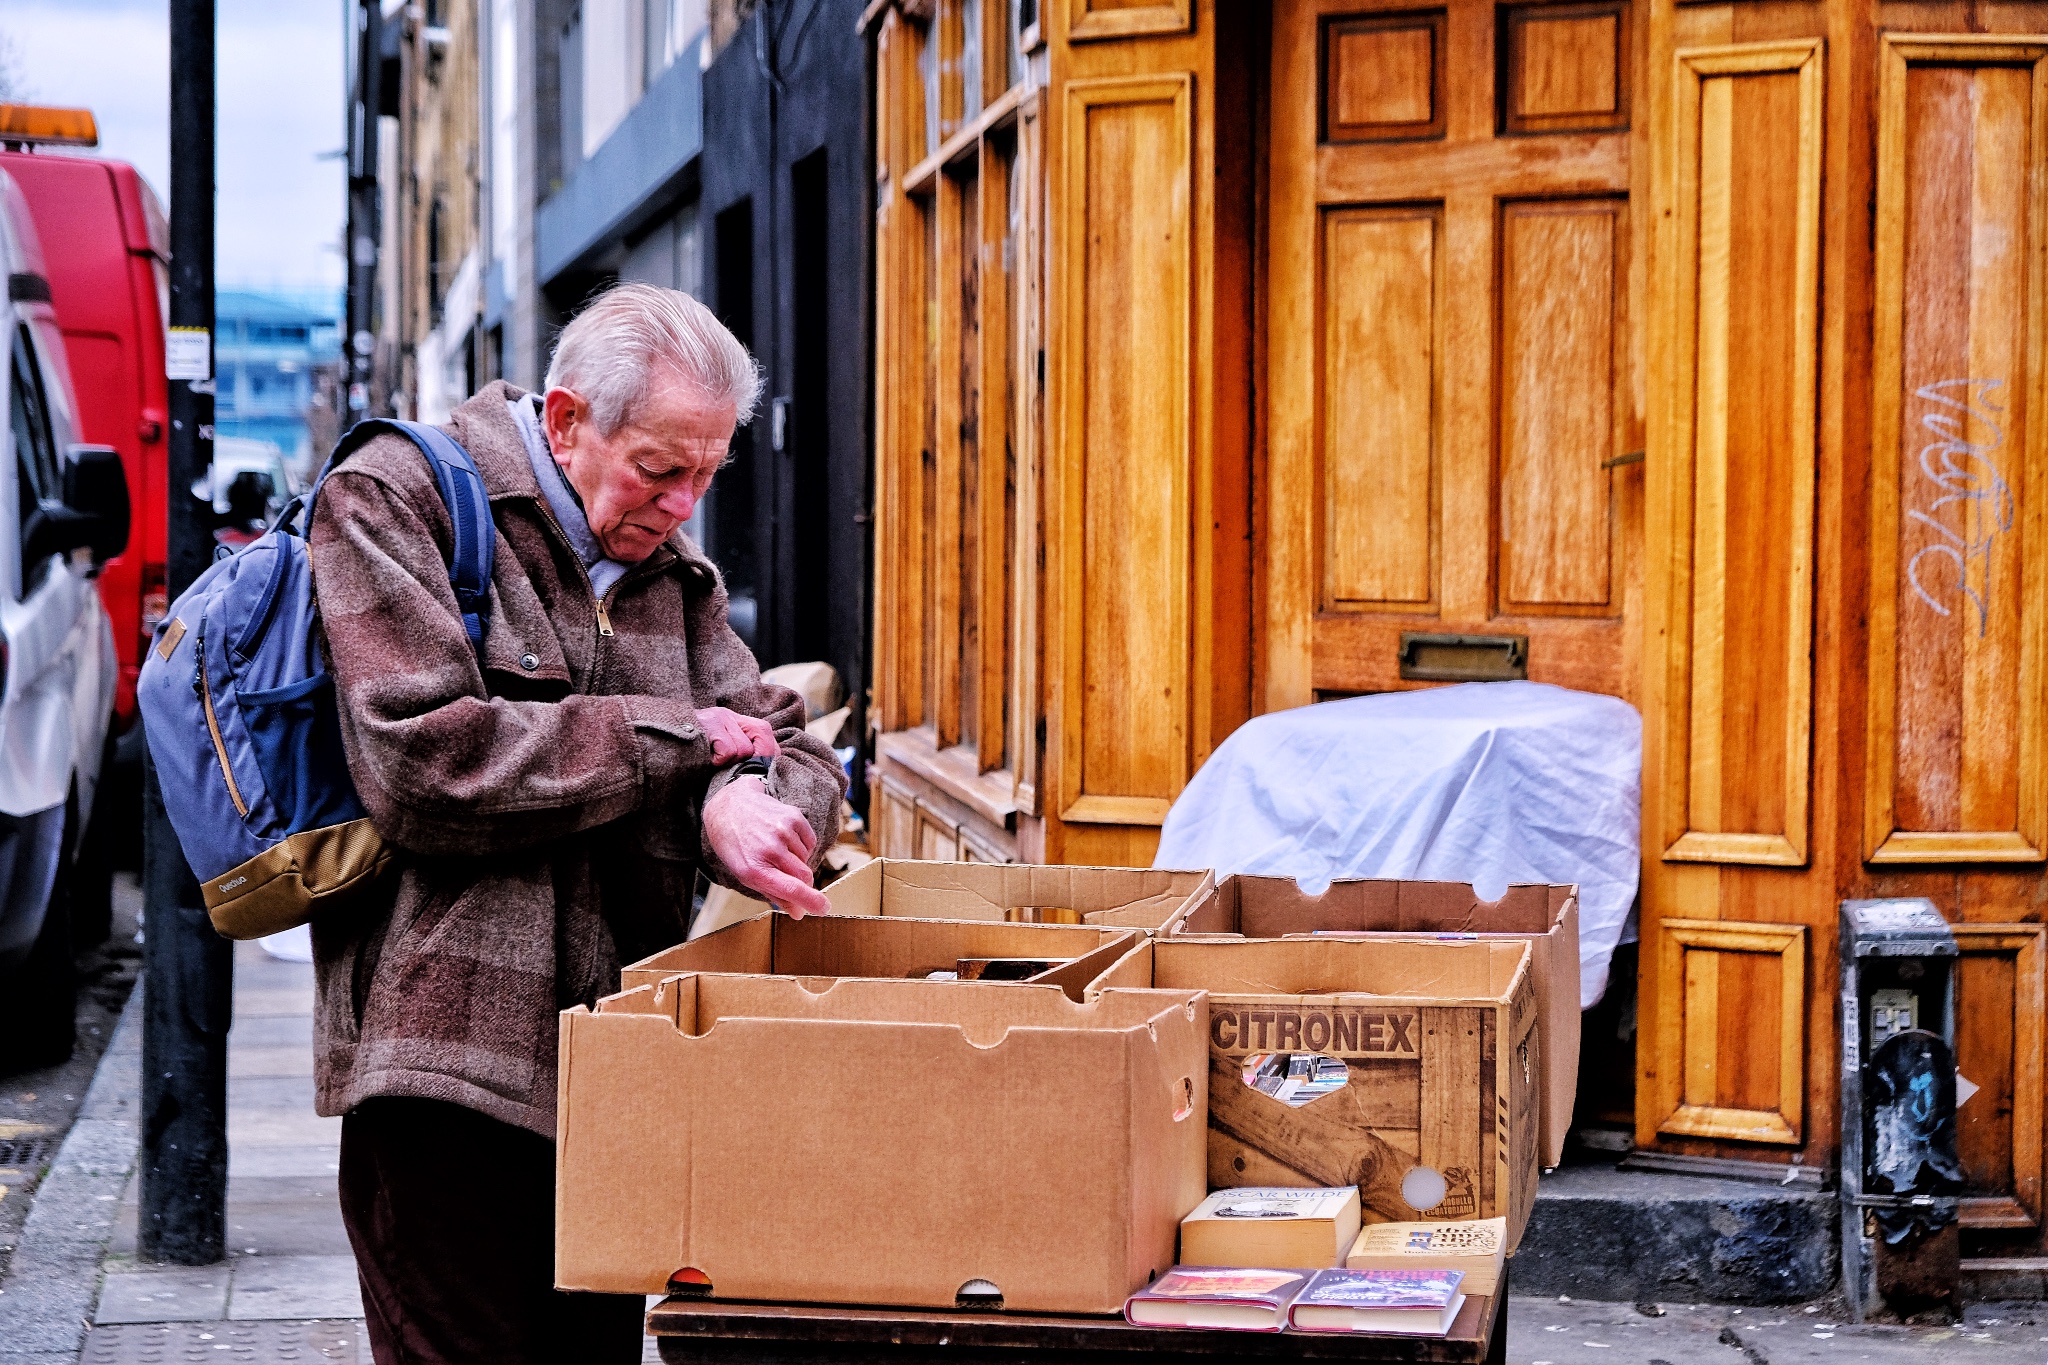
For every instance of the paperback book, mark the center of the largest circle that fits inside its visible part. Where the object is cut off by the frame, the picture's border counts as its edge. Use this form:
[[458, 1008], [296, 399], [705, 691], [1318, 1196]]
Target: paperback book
[[1300, 1229], [1476, 1247], [1417, 1303], [1232, 1298]]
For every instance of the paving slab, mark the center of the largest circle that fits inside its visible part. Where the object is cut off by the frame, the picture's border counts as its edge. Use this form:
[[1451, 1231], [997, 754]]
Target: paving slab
[[272, 1189], [287, 1228], [307, 1159], [294, 1287], [244, 1343], [274, 1000], [164, 1294], [272, 1030], [278, 1127], [253, 1059], [256, 969], [271, 1094]]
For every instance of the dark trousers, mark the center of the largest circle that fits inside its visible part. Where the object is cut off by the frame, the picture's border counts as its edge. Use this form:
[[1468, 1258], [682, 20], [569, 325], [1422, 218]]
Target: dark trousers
[[452, 1217]]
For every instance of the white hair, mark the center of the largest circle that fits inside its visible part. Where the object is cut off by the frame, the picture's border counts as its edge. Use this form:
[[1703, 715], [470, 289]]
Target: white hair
[[607, 354]]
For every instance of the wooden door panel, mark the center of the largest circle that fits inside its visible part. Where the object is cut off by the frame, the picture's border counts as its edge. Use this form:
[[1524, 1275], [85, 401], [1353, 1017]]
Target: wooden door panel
[[1959, 585], [1742, 303], [1379, 418], [1563, 278], [1451, 359], [895, 822], [1730, 1033], [1570, 164], [1998, 1008], [938, 838], [1097, 20], [1383, 77], [1567, 68], [1127, 298]]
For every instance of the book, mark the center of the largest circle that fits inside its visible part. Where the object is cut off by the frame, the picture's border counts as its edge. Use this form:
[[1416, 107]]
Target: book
[[1415, 1303], [1476, 1247], [1299, 1229], [1232, 1298]]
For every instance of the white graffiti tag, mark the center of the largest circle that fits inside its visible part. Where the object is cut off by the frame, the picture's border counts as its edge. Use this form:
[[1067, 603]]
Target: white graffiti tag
[[1964, 472]]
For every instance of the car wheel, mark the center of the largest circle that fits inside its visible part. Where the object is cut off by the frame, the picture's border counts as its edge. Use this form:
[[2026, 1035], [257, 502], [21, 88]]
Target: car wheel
[[39, 1012]]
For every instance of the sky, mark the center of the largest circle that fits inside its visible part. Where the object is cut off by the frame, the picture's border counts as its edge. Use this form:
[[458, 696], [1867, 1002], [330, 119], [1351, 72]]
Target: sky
[[280, 75]]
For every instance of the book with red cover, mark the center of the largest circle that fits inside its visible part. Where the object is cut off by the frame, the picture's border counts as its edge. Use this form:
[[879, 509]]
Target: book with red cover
[[1232, 1298]]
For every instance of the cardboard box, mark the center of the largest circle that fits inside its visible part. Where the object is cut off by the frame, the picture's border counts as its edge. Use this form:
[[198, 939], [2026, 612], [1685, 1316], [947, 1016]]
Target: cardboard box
[[1442, 1054], [879, 1142], [1126, 897], [1546, 916], [890, 949]]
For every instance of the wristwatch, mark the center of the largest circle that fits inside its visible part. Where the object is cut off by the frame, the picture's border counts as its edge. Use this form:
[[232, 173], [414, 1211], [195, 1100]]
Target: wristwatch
[[753, 766]]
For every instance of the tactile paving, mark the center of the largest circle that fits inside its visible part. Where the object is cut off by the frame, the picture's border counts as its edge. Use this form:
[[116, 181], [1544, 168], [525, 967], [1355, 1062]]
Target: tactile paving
[[217, 1343]]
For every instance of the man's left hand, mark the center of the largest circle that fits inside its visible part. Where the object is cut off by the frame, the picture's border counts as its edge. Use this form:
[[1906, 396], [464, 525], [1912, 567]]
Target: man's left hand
[[735, 736], [765, 845]]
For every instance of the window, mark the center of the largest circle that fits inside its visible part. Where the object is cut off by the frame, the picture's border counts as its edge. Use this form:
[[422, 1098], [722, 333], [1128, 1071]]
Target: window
[[438, 268], [672, 25], [961, 264], [35, 448]]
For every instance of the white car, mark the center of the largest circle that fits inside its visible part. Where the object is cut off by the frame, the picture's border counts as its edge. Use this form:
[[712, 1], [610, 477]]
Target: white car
[[63, 512], [260, 464]]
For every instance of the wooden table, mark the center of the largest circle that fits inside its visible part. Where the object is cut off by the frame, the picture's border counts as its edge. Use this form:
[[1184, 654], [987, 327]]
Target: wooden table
[[706, 1330]]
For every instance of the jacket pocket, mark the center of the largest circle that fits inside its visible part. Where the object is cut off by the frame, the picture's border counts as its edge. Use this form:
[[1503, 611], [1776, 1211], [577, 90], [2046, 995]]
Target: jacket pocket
[[522, 658]]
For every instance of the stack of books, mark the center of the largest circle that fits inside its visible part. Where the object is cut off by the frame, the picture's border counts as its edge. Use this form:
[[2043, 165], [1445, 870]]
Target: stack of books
[[1272, 1260]]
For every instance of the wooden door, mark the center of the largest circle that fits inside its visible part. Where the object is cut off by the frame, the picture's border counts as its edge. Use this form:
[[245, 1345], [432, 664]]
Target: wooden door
[[1955, 777], [1456, 410]]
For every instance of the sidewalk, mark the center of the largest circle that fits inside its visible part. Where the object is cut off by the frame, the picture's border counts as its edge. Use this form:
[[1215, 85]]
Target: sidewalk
[[288, 1288]]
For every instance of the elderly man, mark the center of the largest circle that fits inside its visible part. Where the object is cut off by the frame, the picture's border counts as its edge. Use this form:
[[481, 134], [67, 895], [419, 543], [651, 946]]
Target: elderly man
[[554, 793]]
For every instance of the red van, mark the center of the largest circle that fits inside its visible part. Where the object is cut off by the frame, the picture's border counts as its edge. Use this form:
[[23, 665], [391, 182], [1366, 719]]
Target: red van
[[107, 247]]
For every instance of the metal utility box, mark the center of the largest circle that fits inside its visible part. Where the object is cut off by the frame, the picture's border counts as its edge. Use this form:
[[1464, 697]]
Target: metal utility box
[[1900, 1173]]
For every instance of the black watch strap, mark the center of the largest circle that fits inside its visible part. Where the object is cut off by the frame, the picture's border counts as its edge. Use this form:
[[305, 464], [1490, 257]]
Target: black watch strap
[[753, 766]]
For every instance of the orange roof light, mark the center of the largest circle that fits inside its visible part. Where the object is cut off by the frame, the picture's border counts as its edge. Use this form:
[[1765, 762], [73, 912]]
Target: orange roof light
[[59, 127]]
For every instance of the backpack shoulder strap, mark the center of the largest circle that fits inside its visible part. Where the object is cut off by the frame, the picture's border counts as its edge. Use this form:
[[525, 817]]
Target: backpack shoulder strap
[[469, 510]]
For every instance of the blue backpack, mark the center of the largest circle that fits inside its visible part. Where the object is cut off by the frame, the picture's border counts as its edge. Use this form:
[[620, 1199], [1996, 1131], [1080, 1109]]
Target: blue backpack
[[240, 714]]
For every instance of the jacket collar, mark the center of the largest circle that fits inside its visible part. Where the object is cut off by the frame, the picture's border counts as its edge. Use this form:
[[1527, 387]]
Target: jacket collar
[[485, 428]]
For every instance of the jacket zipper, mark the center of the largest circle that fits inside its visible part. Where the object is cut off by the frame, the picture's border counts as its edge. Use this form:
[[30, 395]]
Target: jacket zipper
[[601, 604], [220, 748], [604, 619]]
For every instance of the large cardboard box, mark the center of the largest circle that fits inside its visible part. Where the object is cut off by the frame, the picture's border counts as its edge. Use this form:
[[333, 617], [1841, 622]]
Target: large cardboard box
[[1126, 897], [879, 1142], [835, 945], [1546, 916], [1442, 1063]]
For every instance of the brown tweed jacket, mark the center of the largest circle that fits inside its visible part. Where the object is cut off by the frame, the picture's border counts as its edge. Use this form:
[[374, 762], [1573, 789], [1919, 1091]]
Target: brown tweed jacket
[[544, 798]]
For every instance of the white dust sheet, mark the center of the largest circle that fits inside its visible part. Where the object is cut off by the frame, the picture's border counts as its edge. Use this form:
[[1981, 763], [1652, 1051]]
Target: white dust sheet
[[1486, 783]]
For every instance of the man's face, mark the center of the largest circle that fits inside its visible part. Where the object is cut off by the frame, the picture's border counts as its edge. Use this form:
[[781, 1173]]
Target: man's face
[[642, 481]]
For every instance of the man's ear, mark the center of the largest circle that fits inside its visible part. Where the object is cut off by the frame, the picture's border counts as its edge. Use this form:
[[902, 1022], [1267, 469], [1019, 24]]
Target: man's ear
[[563, 417]]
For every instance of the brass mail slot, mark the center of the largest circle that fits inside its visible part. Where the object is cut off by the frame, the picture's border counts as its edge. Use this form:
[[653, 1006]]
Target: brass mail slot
[[1464, 658]]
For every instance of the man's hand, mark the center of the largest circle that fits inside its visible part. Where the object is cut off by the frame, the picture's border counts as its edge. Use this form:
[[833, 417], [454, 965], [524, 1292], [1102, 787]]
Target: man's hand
[[765, 845], [734, 736]]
